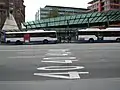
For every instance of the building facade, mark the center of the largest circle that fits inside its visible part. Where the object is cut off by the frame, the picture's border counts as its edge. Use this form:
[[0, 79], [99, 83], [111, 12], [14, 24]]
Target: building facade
[[44, 12], [104, 5], [15, 7], [37, 15]]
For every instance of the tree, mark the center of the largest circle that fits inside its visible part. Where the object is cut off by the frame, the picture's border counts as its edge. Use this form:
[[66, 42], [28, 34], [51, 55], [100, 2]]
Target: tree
[[53, 13]]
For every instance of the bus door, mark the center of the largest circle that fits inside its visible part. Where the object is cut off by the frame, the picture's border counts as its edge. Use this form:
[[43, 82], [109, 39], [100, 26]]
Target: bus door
[[27, 38], [100, 36]]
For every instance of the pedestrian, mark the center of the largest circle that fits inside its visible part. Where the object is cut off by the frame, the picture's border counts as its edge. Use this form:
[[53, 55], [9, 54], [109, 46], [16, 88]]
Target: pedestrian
[[59, 39], [69, 39]]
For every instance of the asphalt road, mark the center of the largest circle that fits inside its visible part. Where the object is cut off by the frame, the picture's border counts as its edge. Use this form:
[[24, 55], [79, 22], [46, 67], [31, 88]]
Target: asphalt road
[[71, 65]]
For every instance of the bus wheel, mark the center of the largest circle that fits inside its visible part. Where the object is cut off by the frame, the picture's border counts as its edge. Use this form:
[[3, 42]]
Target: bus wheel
[[118, 39], [8, 42], [18, 42], [45, 41], [91, 40]]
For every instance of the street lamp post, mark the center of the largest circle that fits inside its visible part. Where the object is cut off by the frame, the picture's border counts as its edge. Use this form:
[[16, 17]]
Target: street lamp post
[[68, 31], [107, 21], [88, 22]]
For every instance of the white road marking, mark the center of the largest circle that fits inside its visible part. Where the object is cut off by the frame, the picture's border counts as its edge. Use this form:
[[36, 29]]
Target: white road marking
[[68, 52], [72, 75], [68, 61], [83, 72], [62, 50], [56, 54], [60, 61], [59, 58], [54, 68]]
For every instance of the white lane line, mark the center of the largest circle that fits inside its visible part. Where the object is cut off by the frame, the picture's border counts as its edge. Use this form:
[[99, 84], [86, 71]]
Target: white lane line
[[60, 58], [54, 68], [60, 61], [25, 57], [72, 75]]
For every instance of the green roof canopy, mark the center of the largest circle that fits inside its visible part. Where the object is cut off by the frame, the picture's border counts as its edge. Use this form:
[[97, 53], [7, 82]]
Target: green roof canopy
[[81, 20]]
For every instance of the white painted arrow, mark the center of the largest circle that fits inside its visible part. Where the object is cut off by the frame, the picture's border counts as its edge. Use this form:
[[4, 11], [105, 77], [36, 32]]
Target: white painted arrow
[[60, 61], [60, 58], [72, 75], [55, 68], [54, 54], [62, 50]]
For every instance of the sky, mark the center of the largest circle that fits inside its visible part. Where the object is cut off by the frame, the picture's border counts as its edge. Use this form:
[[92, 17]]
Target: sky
[[32, 6]]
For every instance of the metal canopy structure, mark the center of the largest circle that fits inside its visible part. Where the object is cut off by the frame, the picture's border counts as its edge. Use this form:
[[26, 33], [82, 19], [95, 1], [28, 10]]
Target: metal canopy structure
[[81, 20]]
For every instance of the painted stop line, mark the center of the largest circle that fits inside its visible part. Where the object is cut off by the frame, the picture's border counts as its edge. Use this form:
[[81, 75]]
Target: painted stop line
[[53, 68]]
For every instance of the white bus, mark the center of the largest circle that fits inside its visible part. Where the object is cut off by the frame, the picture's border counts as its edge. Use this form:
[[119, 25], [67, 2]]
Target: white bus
[[36, 36], [94, 34], [14, 37]]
